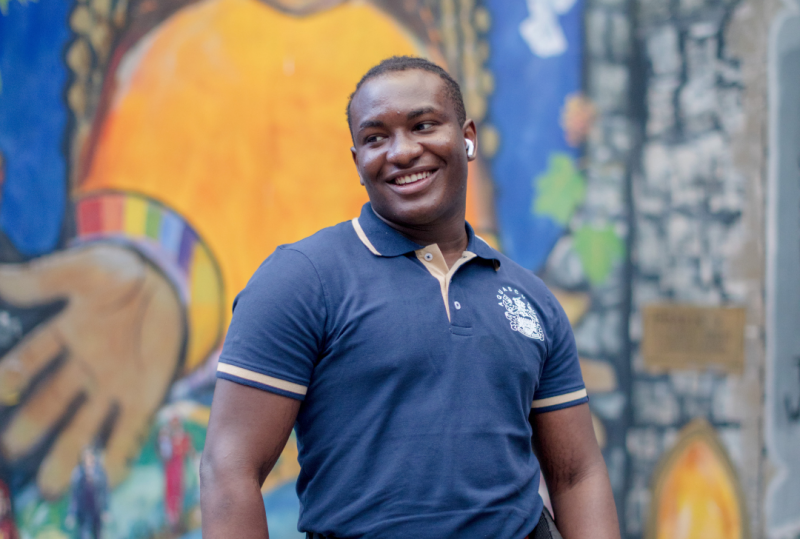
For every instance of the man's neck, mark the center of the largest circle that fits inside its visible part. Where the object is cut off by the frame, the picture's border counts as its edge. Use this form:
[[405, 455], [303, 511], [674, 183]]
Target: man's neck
[[451, 236]]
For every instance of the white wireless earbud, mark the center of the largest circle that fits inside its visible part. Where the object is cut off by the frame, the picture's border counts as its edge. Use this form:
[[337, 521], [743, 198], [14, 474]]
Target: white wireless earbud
[[470, 147]]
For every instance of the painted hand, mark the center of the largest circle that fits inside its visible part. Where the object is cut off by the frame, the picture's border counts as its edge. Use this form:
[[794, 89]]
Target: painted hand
[[106, 360]]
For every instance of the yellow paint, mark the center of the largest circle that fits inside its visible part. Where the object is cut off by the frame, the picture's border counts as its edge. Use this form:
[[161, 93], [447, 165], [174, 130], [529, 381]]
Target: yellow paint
[[186, 410], [48, 533], [286, 469], [233, 114], [575, 304], [599, 376], [599, 431], [698, 498], [200, 416], [204, 307], [135, 215]]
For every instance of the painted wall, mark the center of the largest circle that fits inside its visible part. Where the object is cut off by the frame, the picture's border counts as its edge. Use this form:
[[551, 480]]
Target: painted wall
[[699, 190], [154, 152]]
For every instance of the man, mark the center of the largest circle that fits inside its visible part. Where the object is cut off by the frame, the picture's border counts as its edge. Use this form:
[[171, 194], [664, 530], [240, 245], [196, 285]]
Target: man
[[88, 504], [407, 353]]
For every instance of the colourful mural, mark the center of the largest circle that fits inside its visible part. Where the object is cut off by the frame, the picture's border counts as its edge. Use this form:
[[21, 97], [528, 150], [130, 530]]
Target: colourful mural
[[154, 152], [696, 492]]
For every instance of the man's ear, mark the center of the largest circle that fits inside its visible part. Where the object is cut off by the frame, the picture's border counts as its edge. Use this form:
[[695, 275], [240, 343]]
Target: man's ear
[[470, 133], [355, 162]]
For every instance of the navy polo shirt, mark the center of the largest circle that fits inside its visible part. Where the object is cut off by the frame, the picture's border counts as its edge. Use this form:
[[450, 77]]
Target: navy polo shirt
[[416, 380]]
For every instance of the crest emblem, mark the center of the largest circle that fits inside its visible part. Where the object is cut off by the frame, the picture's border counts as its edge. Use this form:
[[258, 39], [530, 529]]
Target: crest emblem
[[520, 313]]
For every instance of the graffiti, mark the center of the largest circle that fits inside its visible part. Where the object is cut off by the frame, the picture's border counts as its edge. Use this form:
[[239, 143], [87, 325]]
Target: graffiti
[[541, 30], [516, 110], [599, 249], [561, 189], [154, 153], [577, 118], [174, 445], [10, 329], [88, 496], [8, 527], [696, 493]]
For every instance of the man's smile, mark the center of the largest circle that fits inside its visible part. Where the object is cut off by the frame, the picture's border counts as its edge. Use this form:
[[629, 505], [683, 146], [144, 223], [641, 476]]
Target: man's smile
[[412, 182], [411, 178]]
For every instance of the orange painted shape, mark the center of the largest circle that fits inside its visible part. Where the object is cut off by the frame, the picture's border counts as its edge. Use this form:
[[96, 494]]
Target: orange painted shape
[[233, 114], [480, 210], [113, 212], [696, 496]]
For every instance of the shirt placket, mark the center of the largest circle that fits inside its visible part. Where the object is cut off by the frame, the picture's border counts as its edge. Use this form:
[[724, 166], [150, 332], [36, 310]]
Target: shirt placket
[[433, 260]]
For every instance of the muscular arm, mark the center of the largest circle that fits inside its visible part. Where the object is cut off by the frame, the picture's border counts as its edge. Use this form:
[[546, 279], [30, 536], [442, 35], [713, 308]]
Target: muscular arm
[[246, 434], [576, 474]]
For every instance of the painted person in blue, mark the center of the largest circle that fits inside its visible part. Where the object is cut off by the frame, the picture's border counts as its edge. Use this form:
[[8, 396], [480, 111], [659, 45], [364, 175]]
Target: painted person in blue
[[413, 360]]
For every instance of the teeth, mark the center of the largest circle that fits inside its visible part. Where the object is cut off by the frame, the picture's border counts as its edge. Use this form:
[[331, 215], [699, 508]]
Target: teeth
[[411, 178]]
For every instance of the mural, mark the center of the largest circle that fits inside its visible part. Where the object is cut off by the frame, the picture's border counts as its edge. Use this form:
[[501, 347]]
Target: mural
[[696, 492], [154, 152]]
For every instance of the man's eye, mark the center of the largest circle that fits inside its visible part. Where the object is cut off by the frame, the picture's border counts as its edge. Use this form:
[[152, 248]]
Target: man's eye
[[372, 138], [422, 126]]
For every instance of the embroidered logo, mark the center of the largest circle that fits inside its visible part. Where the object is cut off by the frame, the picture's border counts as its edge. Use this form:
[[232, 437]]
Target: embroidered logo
[[520, 313]]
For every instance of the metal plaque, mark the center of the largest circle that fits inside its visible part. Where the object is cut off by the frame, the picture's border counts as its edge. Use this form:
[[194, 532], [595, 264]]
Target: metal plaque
[[688, 337]]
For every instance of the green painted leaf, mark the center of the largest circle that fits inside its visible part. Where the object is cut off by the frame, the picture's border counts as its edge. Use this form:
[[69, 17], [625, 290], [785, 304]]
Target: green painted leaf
[[599, 249], [559, 190]]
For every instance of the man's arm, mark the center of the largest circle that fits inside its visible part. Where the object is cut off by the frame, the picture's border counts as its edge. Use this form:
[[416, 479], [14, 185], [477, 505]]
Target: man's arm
[[246, 434], [576, 474]]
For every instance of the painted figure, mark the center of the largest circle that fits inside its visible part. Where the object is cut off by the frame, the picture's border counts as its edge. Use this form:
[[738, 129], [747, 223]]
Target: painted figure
[[88, 496], [145, 267], [8, 528], [174, 446]]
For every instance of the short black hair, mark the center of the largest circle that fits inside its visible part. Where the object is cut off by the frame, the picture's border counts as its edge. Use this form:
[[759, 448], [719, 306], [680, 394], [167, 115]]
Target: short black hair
[[405, 63]]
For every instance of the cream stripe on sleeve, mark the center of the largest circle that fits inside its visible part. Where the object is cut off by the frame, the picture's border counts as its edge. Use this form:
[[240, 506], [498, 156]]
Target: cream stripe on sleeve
[[559, 399], [262, 379]]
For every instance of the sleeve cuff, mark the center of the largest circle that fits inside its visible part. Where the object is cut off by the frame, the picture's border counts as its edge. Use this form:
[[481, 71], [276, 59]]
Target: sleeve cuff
[[558, 402], [258, 380], [171, 244]]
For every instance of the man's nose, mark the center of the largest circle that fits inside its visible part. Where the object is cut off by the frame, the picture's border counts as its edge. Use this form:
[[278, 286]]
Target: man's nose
[[403, 149]]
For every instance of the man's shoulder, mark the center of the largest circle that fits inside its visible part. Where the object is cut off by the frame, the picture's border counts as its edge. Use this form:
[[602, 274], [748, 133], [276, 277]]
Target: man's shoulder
[[325, 241], [515, 270], [305, 264], [524, 278]]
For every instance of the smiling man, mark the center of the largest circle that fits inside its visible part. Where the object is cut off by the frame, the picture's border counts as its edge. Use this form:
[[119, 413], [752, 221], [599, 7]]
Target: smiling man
[[414, 361]]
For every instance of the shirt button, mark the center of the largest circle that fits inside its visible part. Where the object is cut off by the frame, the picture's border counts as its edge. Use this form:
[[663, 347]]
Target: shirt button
[[457, 305], [428, 257]]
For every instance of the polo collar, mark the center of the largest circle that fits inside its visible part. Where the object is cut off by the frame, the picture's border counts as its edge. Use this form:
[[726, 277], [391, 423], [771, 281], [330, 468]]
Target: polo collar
[[383, 240]]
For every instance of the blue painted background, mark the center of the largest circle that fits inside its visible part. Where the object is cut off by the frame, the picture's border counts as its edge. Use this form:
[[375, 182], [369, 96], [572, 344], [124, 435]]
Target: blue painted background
[[526, 108], [33, 38]]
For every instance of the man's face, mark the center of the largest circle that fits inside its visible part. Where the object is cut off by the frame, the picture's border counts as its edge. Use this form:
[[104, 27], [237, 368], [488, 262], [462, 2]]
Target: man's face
[[88, 459], [409, 148]]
